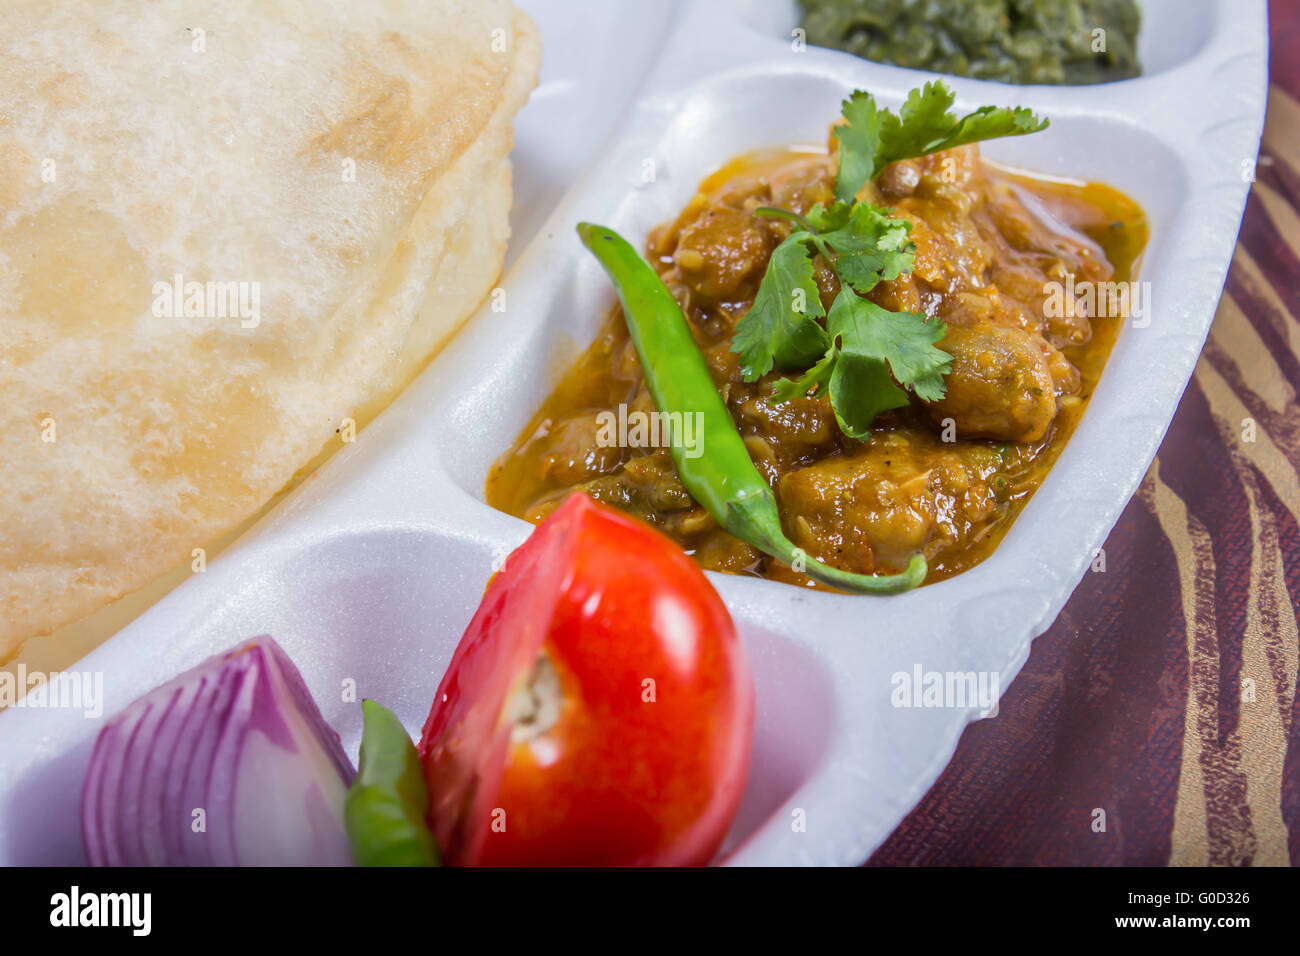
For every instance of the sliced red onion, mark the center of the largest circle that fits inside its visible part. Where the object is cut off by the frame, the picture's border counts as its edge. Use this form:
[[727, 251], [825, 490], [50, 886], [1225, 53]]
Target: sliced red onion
[[239, 738]]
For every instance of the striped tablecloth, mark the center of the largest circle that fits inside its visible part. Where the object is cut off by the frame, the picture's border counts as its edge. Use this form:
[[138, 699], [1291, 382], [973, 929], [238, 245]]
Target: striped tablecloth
[[1164, 694]]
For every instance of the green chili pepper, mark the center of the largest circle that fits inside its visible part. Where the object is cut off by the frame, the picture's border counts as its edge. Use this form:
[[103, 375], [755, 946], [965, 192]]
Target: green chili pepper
[[723, 479], [386, 807]]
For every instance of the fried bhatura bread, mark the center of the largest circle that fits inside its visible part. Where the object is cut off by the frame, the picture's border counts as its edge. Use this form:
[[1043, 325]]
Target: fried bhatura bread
[[330, 179]]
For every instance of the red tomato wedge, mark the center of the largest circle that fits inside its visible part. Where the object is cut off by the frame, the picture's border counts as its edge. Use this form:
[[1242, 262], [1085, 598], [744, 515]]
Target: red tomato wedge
[[599, 709]]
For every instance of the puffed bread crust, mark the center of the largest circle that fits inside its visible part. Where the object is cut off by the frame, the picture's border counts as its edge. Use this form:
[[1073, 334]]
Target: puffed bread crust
[[223, 156]]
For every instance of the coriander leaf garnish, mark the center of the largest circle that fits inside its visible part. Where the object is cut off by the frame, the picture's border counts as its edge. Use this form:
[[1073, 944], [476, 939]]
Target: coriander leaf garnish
[[823, 218], [860, 390], [924, 125], [871, 138], [811, 382], [870, 246], [867, 358], [859, 140], [922, 119], [868, 343], [780, 328], [905, 340], [864, 246]]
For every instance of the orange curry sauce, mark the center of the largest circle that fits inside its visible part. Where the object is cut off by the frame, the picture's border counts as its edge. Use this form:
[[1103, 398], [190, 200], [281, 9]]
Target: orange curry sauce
[[993, 247]]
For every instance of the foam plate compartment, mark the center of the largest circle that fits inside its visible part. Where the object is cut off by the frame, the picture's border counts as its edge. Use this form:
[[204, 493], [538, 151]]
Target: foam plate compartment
[[371, 570]]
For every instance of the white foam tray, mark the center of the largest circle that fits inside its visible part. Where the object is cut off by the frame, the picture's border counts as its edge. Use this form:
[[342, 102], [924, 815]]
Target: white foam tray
[[372, 569]]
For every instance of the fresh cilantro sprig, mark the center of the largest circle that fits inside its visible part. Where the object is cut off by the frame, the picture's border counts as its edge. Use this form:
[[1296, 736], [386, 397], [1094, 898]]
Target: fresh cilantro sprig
[[864, 356], [781, 326], [861, 242], [871, 139], [862, 344]]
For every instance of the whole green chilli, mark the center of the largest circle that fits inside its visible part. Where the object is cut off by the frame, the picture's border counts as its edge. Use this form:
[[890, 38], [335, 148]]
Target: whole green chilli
[[723, 479], [386, 808]]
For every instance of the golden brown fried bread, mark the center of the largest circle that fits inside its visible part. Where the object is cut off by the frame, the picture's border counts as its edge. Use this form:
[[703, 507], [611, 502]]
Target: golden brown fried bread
[[225, 229]]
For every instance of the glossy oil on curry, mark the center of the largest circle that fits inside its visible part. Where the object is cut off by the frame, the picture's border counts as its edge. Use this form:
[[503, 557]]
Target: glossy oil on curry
[[1001, 259]]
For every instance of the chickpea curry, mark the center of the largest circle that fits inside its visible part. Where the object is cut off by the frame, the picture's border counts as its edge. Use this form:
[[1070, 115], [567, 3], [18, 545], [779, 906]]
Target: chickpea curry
[[943, 478]]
